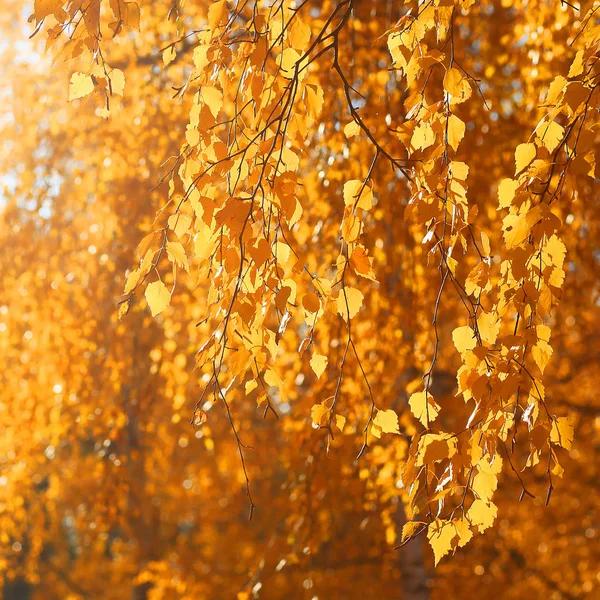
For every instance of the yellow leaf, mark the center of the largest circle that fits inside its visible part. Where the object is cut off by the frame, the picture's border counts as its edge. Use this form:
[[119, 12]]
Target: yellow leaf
[[524, 154], [489, 327], [515, 230], [213, 98], [340, 422], [542, 352], [351, 129], [577, 65], [555, 89], [484, 484], [562, 432], [352, 189], [318, 363], [482, 514], [557, 251], [238, 361], [551, 135], [464, 339], [435, 447], [558, 470], [506, 192], [158, 297], [456, 131], [81, 85], [459, 170], [424, 407], [123, 309], [180, 223], [362, 263], [200, 57], [387, 421], [132, 280], [200, 417], [423, 136], [43, 8], [320, 414], [287, 61], [117, 82], [409, 529], [351, 227], [314, 99], [169, 55], [217, 14], [349, 302], [485, 243], [464, 531], [441, 535], [516, 227], [177, 255], [272, 379], [457, 85], [147, 261], [299, 35]]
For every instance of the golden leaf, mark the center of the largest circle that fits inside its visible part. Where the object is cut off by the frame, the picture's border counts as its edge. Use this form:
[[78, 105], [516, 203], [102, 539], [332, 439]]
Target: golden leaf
[[464, 339], [318, 363], [435, 447], [177, 255], [362, 263], [351, 227], [423, 136], [81, 85], [117, 82], [311, 302], [409, 529], [464, 531], [213, 98], [387, 421], [288, 60], [349, 302], [562, 432], [456, 131], [457, 85], [123, 309], [158, 297], [484, 484], [524, 154], [488, 325], [44, 8], [551, 134], [506, 192], [320, 414], [132, 280], [557, 251], [351, 129], [424, 407], [357, 193], [482, 514], [169, 55], [441, 534]]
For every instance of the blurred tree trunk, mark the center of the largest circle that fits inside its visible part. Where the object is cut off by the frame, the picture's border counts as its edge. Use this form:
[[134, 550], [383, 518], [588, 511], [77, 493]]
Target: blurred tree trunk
[[17, 589], [411, 562], [140, 592]]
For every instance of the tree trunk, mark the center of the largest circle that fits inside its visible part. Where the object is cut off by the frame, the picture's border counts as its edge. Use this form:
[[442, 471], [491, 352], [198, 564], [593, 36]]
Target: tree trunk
[[17, 589], [411, 558]]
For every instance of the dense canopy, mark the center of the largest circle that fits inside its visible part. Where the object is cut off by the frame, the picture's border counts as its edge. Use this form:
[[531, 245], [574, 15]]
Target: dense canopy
[[299, 299]]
